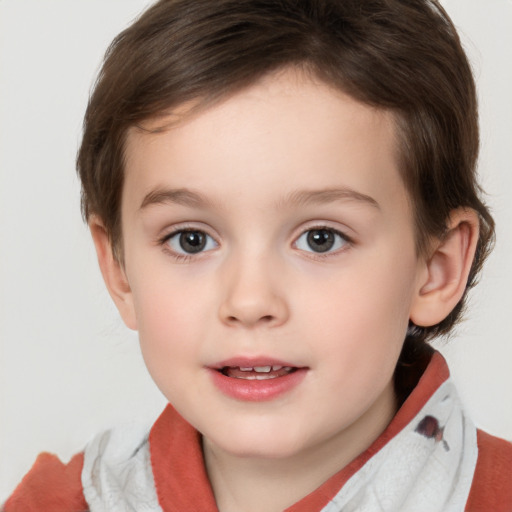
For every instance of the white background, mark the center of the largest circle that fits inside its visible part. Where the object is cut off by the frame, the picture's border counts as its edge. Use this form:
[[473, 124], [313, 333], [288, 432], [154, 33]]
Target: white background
[[68, 366]]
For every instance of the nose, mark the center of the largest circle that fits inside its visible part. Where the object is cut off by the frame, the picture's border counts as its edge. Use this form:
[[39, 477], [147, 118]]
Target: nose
[[253, 295]]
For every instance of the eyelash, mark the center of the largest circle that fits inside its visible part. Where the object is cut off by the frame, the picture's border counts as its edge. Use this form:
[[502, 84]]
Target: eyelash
[[346, 241], [185, 257]]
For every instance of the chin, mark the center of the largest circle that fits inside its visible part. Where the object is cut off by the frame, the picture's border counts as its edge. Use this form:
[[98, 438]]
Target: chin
[[258, 445]]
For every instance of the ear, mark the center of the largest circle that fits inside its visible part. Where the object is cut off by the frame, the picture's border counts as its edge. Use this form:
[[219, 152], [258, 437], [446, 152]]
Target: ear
[[113, 273], [446, 272]]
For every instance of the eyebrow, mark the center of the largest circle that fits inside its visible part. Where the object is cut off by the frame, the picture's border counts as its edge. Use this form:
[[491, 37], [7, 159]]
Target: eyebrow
[[329, 195], [183, 196], [187, 197]]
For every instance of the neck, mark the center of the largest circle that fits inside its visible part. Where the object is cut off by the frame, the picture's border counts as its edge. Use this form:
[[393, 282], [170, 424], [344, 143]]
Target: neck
[[242, 484]]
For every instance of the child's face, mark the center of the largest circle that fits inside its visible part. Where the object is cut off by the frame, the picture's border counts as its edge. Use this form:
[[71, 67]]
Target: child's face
[[272, 229]]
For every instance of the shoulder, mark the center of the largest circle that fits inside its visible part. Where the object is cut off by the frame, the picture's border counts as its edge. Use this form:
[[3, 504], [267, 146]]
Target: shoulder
[[491, 488], [50, 485]]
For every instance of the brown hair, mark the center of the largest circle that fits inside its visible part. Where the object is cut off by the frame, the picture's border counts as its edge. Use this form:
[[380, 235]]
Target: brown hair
[[401, 55]]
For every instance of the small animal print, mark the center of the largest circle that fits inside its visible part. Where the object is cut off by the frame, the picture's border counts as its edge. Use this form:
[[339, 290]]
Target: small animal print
[[430, 428]]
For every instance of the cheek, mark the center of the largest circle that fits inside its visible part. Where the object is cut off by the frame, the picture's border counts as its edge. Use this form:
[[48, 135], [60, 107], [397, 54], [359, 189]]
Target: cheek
[[167, 319], [359, 332], [364, 311], [169, 341], [166, 300]]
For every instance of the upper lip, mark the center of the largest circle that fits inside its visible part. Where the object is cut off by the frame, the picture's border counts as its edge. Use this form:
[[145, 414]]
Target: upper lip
[[251, 362]]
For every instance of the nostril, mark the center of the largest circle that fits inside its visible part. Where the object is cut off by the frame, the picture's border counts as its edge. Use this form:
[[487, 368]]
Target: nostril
[[263, 319]]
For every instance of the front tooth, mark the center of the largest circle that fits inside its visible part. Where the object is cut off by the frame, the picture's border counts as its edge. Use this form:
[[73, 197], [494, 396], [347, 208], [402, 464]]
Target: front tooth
[[246, 369], [276, 368], [262, 369], [262, 376]]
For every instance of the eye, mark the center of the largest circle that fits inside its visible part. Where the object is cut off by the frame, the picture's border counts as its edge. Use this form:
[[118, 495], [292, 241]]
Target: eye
[[321, 240], [190, 241]]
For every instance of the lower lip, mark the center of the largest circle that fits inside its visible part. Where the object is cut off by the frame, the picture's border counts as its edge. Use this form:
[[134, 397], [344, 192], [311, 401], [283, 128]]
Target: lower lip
[[257, 390]]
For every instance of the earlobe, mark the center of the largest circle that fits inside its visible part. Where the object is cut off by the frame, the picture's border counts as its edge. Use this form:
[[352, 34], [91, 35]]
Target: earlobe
[[113, 273], [447, 270]]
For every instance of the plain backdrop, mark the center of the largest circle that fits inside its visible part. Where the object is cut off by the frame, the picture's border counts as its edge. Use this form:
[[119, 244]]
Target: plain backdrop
[[68, 366]]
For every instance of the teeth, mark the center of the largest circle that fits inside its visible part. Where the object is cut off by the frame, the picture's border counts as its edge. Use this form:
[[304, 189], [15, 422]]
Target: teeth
[[259, 369], [258, 372], [262, 369], [259, 377]]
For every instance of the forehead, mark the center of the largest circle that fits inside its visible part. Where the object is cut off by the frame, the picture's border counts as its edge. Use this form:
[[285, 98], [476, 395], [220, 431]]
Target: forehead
[[288, 88], [287, 128]]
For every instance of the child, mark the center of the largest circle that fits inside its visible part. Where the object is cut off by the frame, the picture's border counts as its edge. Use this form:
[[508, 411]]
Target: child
[[283, 200]]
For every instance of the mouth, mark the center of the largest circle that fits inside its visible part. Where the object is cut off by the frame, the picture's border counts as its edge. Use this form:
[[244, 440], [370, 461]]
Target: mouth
[[256, 379], [257, 372]]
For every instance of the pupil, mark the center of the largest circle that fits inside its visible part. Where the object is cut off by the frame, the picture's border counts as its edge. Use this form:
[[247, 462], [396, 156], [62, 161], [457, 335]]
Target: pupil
[[192, 241], [320, 240]]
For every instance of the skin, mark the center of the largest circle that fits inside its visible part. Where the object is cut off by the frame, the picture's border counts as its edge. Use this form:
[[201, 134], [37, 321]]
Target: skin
[[259, 170]]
